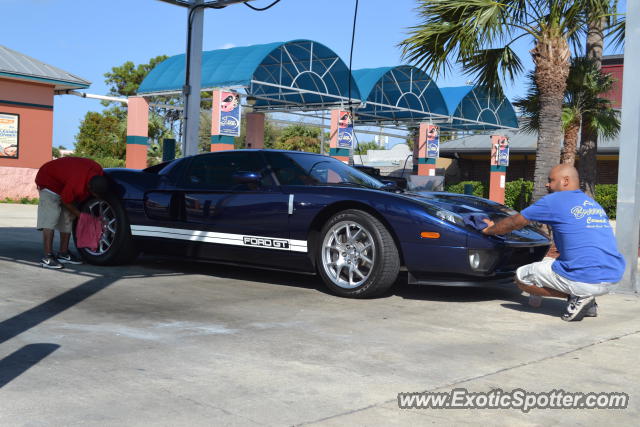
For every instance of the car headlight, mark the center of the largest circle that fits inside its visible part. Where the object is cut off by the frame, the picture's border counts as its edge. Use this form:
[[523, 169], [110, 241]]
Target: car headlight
[[449, 216]]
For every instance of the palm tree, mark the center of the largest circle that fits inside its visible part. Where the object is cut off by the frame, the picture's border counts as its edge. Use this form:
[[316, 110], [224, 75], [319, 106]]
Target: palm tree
[[479, 34], [602, 16], [582, 102]]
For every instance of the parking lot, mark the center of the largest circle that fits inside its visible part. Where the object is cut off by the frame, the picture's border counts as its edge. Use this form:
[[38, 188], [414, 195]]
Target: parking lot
[[173, 343]]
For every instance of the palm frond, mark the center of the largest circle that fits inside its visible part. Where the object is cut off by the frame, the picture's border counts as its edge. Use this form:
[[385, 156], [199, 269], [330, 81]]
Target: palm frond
[[488, 65]]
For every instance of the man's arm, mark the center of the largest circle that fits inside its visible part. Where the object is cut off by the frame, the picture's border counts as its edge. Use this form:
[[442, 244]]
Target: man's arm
[[507, 225], [72, 208]]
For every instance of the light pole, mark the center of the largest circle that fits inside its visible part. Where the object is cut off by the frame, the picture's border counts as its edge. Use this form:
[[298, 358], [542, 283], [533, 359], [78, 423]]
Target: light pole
[[193, 67], [628, 209]]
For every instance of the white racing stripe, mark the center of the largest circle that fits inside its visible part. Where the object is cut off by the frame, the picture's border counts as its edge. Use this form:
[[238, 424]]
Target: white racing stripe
[[262, 242]]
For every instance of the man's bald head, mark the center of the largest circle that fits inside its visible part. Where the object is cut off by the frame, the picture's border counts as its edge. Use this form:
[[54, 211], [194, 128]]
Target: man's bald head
[[563, 177]]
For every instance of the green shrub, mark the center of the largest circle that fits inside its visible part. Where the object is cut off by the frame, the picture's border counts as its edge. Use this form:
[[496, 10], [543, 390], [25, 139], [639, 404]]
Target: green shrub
[[109, 162], [607, 195], [517, 194], [478, 188], [23, 200]]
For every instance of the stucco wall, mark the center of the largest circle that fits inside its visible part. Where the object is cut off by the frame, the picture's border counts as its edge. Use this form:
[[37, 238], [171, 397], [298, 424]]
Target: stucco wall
[[16, 183], [33, 102]]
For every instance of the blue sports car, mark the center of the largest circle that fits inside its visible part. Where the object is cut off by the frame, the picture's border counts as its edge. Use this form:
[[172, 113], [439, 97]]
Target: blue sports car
[[307, 213]]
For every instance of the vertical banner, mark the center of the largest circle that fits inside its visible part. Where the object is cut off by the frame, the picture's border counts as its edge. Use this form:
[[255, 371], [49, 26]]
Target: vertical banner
[[229, 113], [345, 130], [433, 142], [9, 127], [499, 150]]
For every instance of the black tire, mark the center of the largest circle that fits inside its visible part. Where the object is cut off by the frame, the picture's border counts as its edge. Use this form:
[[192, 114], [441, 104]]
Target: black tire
[[121, 249], [383, 268]]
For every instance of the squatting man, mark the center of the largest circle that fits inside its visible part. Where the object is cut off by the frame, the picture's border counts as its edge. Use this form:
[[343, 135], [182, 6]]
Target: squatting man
[[589, 264]]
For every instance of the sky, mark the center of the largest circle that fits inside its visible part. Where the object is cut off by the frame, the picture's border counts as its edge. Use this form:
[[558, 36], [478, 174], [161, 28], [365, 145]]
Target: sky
[[88, 37]]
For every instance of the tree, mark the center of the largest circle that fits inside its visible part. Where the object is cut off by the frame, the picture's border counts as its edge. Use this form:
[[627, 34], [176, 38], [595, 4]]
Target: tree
[[363, 147], [602, 16], [299, 138], [102, 135], [585, 83], [479, 34]]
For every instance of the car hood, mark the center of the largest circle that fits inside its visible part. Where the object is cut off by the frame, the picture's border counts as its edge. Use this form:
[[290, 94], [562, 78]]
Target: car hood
[[463, 204]]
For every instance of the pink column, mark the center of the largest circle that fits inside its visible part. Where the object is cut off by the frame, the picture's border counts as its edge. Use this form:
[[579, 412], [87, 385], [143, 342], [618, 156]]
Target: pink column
[[336, 152], [137, 132], [498, 174], [426, 165], [218, 142], [255, 130]]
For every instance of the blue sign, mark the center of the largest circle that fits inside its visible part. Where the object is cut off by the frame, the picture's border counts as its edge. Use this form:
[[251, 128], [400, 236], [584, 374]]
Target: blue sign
[[345, 130], [229, 114], [433, 142]]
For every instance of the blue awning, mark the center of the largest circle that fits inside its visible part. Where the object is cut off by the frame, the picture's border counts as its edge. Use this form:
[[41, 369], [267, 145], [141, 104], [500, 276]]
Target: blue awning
[[298, 74], [475, 108], [402, 93]]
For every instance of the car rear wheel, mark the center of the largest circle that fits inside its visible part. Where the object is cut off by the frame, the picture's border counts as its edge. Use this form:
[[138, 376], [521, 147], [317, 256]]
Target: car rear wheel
[[116, 244], [357, 257]]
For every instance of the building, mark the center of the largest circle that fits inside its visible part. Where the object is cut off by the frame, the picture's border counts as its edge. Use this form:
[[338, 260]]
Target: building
[[27, 88], [471, 153]]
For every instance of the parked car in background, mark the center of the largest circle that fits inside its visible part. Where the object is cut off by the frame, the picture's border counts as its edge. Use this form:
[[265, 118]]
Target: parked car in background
[[306, 213]]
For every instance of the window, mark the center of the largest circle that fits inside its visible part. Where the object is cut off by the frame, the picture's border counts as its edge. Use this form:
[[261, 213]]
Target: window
[[216, 171], [313, 169]]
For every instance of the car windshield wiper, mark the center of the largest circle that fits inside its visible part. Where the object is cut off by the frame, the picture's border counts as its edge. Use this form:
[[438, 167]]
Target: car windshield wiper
[[350, 184]]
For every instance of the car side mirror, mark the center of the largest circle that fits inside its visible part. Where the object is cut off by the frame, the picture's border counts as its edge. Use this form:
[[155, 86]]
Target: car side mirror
[[246, 178]]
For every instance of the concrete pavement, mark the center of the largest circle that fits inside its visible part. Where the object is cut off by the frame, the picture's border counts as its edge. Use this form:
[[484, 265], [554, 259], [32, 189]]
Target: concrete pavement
[[162, 342]]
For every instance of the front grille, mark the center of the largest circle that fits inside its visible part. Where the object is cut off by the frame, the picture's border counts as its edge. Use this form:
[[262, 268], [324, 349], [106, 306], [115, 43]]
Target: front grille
[[517, 257]]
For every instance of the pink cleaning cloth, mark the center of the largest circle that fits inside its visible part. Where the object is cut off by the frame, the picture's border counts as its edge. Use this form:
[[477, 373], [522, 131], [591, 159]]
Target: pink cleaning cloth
[[88, 231]]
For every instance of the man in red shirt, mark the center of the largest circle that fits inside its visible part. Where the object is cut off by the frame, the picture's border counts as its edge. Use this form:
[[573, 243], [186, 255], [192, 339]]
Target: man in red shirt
[[63, 183]]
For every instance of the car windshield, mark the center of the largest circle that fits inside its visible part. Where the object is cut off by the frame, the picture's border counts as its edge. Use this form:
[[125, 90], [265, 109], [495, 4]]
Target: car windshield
[[312, 169]]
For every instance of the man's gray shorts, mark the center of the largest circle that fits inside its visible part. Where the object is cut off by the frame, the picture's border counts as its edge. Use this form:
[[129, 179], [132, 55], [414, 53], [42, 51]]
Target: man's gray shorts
[[52, 214], [542, 275]]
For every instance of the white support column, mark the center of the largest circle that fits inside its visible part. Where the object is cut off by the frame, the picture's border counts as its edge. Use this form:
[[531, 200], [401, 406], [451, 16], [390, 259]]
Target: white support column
[[628, 210], [192, 96]]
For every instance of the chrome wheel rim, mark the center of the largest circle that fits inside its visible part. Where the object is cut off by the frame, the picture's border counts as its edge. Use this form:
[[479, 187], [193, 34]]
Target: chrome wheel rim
[[104, 211], [348, 254]]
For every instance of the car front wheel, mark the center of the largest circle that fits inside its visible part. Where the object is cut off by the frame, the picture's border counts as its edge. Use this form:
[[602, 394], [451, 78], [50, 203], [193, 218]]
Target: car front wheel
[[115, 245], [358, 257]]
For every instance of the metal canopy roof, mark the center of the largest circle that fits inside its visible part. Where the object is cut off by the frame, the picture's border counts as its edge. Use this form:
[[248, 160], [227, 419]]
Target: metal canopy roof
[[403, 93], [475, 108], [304, 75], [295, 75], [16, 65]]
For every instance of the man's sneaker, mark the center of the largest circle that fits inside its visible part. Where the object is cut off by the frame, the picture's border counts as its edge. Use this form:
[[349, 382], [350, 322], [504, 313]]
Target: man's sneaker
[[577, 308], [592, 311], [68, 258], [50, 261]]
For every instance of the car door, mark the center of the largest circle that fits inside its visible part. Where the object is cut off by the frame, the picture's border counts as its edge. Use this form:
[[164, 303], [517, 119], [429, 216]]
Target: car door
[[233, 221]]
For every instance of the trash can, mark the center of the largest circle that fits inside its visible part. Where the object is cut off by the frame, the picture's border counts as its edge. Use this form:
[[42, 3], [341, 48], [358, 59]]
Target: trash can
[[468, 189]]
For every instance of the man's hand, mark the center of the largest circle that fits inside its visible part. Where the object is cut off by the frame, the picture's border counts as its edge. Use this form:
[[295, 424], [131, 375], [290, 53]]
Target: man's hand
[[489, 224], [507, 225], [72, 208]]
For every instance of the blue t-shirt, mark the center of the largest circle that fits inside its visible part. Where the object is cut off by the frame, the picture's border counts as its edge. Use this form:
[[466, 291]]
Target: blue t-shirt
[[583, 236]]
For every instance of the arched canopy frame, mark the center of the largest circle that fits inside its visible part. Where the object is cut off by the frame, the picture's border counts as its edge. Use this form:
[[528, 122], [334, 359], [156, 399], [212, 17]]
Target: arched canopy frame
[[298, 75], [475, 108], [399, 94]]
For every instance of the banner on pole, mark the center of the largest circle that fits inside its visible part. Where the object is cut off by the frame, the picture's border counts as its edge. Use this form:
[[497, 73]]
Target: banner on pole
[[499, 150], [433, 142], [229, 113], [345, 130]]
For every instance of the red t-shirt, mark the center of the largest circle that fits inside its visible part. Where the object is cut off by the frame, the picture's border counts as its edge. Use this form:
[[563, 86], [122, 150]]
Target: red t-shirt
[[68, 177]]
